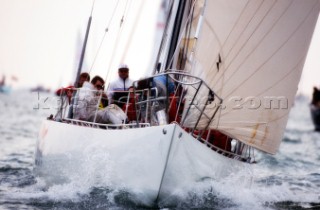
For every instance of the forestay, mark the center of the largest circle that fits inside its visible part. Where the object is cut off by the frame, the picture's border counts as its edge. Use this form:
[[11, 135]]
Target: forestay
[[251, 53]]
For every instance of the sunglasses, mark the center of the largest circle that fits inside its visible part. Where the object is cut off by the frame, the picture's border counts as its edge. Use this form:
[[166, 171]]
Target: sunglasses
[[99, 87]]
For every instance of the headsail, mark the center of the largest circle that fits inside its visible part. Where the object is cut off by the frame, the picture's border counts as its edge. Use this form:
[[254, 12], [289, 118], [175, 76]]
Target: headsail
[[251, 53]]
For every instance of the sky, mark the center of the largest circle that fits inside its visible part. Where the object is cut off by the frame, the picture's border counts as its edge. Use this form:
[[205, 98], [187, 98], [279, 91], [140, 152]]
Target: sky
[[311, 71], [40, 41]]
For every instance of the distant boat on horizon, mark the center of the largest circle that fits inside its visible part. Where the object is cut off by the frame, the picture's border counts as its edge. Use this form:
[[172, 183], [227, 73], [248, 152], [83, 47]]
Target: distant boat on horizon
[[40, 88], [315, 108], [4, 88]]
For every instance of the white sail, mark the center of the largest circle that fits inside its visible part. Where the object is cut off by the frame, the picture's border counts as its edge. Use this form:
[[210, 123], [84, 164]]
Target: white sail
[[251, 53]]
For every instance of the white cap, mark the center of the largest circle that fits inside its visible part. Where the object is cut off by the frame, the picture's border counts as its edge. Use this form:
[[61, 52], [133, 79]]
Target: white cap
[[123, 66]]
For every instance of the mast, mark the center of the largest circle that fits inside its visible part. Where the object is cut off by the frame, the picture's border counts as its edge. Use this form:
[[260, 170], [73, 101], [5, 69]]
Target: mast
[[157, 65], [70, 113], [175, 17], [176, 31], [83, 51]]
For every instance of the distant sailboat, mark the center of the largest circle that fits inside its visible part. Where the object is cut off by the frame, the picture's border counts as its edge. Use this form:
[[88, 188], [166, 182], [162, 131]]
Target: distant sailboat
[[315, 108], [229, 72], [4, 88]]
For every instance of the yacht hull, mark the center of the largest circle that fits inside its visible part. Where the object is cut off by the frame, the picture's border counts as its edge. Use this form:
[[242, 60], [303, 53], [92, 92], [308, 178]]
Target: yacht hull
[[155, 161]]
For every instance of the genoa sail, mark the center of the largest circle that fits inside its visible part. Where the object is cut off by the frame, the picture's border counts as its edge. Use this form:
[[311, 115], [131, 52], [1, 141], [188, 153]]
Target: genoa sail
[[251, 53]]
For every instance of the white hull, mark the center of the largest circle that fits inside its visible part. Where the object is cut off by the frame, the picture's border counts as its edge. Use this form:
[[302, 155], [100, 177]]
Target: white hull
[[154, 161]]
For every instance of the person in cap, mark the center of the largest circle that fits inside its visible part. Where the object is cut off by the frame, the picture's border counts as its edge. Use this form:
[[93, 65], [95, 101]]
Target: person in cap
[[117, 91]]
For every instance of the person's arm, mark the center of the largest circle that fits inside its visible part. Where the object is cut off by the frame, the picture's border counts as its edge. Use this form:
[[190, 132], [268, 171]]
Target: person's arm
[[59, 91]]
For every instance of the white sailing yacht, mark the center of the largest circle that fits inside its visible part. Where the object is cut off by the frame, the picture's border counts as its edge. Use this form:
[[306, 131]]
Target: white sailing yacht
[[229, 72]]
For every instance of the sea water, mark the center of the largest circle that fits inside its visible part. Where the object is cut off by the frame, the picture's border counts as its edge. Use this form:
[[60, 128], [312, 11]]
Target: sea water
[[288, 180]]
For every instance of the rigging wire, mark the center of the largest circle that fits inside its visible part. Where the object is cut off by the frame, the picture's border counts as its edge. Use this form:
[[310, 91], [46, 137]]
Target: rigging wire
[[104, 36], [117, 41], [106, 31], [137, 19], [122, 21]]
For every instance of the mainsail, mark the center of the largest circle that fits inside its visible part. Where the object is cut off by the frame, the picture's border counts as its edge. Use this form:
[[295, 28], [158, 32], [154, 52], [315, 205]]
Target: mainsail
[[251, 53]]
